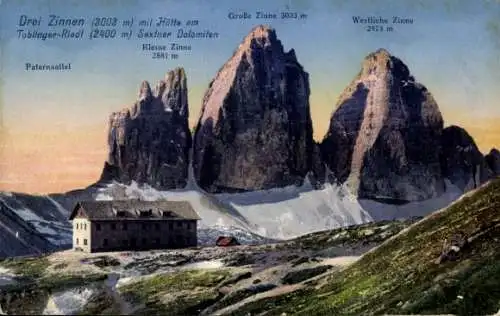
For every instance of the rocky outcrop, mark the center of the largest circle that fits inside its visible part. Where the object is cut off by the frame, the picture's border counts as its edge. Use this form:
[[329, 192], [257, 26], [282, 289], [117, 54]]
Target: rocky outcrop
[[255, 129], [318, 175], [384, 136], [493, 161], [461, 161], [150, 142]]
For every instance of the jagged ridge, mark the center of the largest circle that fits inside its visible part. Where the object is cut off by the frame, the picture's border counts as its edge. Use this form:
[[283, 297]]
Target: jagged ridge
[[150, 142]]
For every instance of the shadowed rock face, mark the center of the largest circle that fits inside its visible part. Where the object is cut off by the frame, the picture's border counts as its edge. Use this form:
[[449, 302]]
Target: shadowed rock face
[[493, 161], [461, 161], [255, 129], [384, 136], [150, 142]]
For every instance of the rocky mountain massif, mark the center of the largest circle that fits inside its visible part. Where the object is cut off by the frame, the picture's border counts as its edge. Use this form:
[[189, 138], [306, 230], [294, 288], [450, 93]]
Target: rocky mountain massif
[[461, 160], [386, 139], [255, 130], [493, 160], [384, 136], [150, 142], [386, 142]]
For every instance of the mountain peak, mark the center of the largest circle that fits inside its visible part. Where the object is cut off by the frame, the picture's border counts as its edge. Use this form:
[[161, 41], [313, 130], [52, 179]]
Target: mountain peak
[[382, 62], [493, 161], [150, 142], [177, 73], [245, 133], [145, 91], [461, 161], [494, 151], [379, 53], [259, 36], [262, 31], [369, 122]]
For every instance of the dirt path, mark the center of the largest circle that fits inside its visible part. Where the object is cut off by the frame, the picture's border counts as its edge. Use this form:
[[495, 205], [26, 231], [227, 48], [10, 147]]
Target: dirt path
[[110, 283], [341, 261]]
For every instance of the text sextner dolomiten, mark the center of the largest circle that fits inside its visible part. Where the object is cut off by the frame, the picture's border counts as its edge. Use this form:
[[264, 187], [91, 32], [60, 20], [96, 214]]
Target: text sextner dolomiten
[[181, 33]]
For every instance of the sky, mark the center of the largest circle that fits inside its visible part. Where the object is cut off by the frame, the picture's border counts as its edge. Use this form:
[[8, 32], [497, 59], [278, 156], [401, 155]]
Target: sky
[[53, 124]]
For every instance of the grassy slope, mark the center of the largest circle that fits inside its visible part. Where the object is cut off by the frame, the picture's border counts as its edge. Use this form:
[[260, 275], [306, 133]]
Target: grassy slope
[[182, 293], [402, 276], [364, 234]]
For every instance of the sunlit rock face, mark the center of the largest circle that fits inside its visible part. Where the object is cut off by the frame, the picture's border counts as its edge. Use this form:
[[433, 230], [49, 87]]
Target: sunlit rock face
[[149, 143], [384, 136], [255, 130]]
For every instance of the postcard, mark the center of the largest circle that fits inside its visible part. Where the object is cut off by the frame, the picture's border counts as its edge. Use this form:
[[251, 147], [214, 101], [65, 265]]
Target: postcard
[[284, 157]]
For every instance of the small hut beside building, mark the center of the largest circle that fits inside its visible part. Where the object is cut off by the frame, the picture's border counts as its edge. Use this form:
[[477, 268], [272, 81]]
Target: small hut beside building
[[129, 225], [226, 241]]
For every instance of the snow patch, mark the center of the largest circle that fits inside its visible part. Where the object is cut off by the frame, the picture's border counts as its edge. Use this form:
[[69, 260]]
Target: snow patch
[[289, 212], [380, 211], [68, 302], [282, 213], [6, 276], [341, 261], [58, 233], [208, 264], [126, 280], [64, 212], [103, 197]]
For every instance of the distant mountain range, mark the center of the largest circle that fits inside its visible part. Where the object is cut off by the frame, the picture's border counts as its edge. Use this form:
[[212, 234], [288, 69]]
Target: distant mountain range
[[252, 167]]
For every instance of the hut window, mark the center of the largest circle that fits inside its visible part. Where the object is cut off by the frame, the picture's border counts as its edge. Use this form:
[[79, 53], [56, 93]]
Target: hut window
[[76, 225], [113, 226], [85, 242], [157, 226], [144, 226], [170, 225], [98, 226], [147, 213], [124, 226], [85, 226], [77, 241], [120, 214], [179, 224], [167, 214], [105, 242], [144, 241]]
